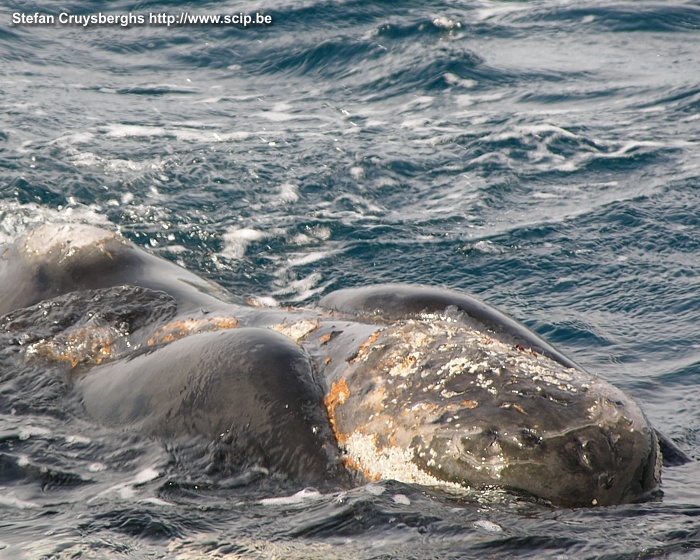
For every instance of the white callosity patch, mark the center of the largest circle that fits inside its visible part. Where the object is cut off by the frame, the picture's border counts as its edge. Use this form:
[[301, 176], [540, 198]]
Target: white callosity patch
[[392, 463], [296, 331]]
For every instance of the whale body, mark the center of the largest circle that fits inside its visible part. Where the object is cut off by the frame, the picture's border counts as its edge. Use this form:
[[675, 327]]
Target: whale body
[[418, 384]]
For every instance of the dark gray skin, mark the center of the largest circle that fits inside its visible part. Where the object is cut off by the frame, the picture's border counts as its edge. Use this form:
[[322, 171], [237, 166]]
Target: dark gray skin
[[60, 258], [252, 386], [423, 378], [397, 302]]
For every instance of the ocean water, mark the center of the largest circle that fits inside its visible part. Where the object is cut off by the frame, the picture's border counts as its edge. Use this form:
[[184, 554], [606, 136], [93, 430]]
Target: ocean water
[[541, 155]]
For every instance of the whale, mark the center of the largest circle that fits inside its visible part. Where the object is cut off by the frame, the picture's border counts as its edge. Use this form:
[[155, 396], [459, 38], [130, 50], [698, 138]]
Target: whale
[[423, 385]]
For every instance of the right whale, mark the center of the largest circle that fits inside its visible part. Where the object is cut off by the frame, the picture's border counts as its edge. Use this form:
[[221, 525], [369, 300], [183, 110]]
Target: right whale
[[417, 384]]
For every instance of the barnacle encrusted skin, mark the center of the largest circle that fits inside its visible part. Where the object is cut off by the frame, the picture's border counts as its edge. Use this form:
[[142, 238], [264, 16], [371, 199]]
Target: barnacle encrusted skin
[[436, 402]]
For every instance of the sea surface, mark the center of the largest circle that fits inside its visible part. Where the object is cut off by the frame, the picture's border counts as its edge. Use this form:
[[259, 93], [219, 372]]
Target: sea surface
[[543, 156]]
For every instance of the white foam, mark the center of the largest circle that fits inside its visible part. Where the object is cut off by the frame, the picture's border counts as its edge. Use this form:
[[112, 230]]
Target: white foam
[[308, 258], [401, 499], [446, 23], [277, 116], [124, 491], [455, 80], [289, 192], [489, 526], [496, 11], [305, 495], [318, 233], [532, 131], [357, 173], [77, 439], [127, 490], [264, 301], [375, 489], [33, 431], [186, 134], [545, 195], [236, 241], [301, 239], [11, 501], [146, 475], [156, 502], [74, 138], [116, 165], [488, 247], [281, 106], [469, 99], [209, 100], [305, 288]]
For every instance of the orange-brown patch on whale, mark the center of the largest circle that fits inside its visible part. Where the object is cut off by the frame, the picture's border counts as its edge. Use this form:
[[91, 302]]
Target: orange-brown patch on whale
[[350, 463], [86, 345], [515, 406], [181, 328], [338, 395]]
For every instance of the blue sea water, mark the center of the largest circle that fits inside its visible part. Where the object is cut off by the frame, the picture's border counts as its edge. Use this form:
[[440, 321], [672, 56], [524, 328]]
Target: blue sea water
[[542, 155]]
